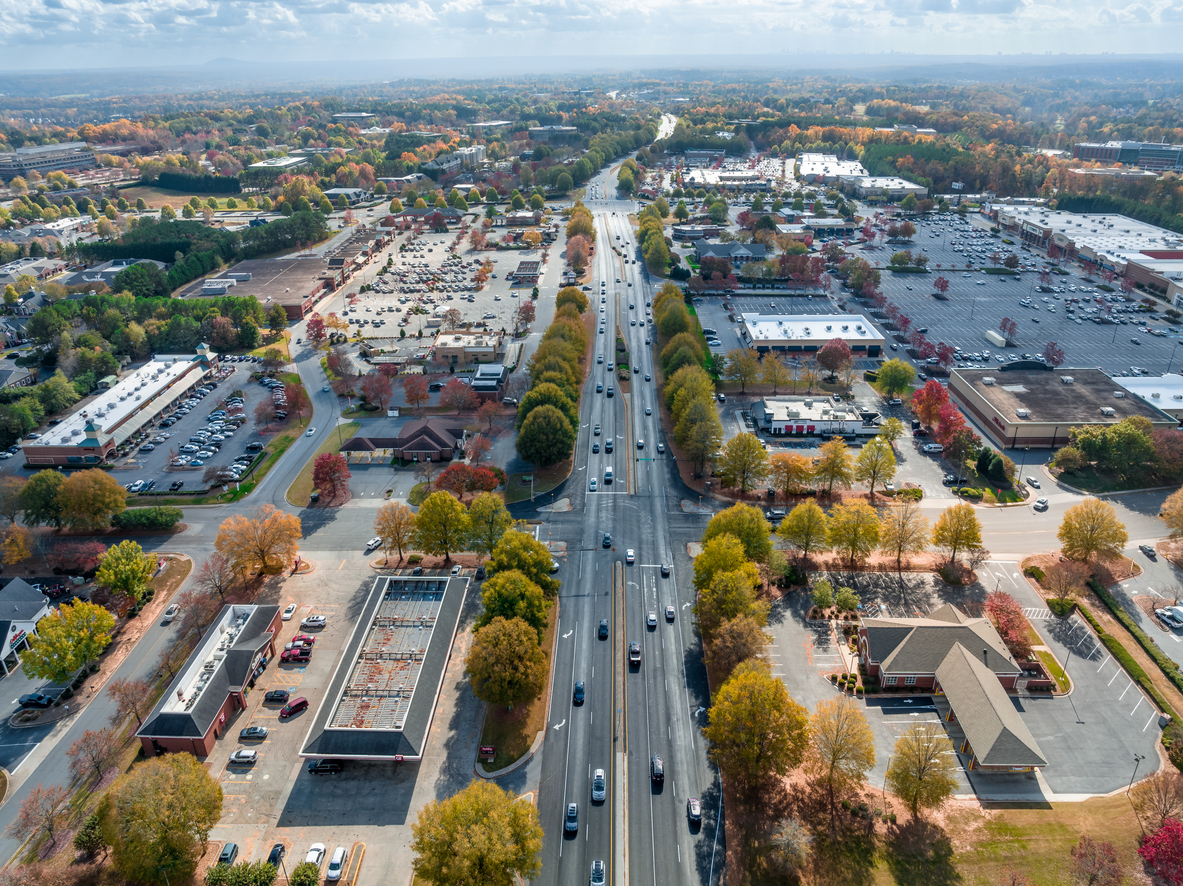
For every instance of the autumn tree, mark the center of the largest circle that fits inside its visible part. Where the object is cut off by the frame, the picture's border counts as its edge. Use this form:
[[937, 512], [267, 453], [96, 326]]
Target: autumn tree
[[131, 696], [45, 810], [522, 551], [484, 834], [789, 472], [67, 640], [330, 475], [395, 525], [459, 395], [747, 524], [741, 366], [903, 530], [441, 525], [488, 520], [1095, 864], [510, 595], [923, 767], [266, 541], [89, 499], [505, 665], [377, 389], [1091, 528], [853, 530], [1158, 798], [487, 414], [1065, 579], [834, 356], [94, 750], [834, 465], [842, 748], [735, 641], [724, 553], [17, 545], [957, 529], [197, 612], [729, 595], [805, 528], [1163, 852], [875, 464], [756, 732], [215, 576], [744, 462], [1010, 622], [125, 570], [10, 497], [774, 373], [415, 390]]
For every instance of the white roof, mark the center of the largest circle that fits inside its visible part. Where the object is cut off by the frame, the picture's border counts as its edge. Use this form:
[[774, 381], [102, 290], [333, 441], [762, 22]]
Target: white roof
[[808, 328], [829, 166], [1102, 234], [1165, 392]]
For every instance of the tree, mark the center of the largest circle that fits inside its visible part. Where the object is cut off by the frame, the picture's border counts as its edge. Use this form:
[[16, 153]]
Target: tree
[[330, 474], [957, 529], [89, 499], [1091, 528], [314, 330], [415, 390], [477, 449], [509, 595], [724, 553], [741, 366], [93, 750], [774, 373], [928, 401], [131, 696], [875, 464], [904, 530], [748, 525], [805, 528], [730, 595], [277, 319], [522, 551], [44, 810], [891, 430], [546, 436], [125, 570], [1053, 354], [1095, 864], [197, 613], [1158, 798], [483, 834], [834, 356], [788, 471], [39, 498], [57, 393], [547, 393], [505, 665], [757, 732], [17, 546], [923, 767], [459, 395], [488, 521], [895, 377], [214, 576], [743, 463], [10, 497], [265, 412], [395, 525], [1065, 579], [487, 415], [1008, 328], [1163, 852], [853, 530], [267, 541], [791, 843], [834, 466], [1007, 615], [67, 640], [441, 526], [843, 748], [699, 433], [158, 816], [735, 641]]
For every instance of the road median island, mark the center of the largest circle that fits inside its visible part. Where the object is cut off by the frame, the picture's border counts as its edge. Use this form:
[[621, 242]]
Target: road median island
[[300, 490]]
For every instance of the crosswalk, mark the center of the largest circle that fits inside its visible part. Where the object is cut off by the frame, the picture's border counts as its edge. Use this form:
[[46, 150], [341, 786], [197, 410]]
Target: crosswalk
[[1037, 613]]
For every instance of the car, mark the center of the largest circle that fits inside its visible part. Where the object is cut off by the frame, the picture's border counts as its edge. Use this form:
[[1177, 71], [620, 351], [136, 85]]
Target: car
[[293, 707], [599, 387], [276, 696], [607, 542], [634, 653], [895, 401], [933, 448], [229, 854], [651, 619], [310, 432], [171, 613], [592, 485], [598, 873], [336, 864], [665, 570], [35, 700], [694, 810], [374, 542], [596, 446], [289, 611], [602, 631], [629, 556], [611, 391], [301, 640], [596, 430], [322, 767], [275, 858], [657, 769], [254, 447], [1040, 504], [1149, 551], [314, 621], [648, 410], [670, 612], [1171, 619], [640, 443], [571, 818], [316, 853], [244, 758], [1033, 483], [577, 696], [608, 445], [252, 733], [297, 654], [661, 447]]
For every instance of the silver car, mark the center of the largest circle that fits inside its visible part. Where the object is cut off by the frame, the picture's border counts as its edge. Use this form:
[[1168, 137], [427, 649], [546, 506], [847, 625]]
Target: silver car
[[599, 786]]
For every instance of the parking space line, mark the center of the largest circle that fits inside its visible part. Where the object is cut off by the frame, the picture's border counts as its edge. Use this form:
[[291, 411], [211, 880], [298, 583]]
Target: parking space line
[[1138, 705], [1153, 715], [1114, 677], [1105, 662], [1124, 691]]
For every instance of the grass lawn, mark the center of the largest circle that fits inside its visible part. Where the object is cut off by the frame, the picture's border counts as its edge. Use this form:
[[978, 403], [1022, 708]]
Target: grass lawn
[[157, 197], [418, 492], [544, 481], [1091, 480], [279, 344], [171, 579], [301, 487], [1053, 668], [512, 732]]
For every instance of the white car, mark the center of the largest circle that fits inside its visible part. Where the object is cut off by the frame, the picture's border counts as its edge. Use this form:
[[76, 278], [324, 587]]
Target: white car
[[290, 611], [244, 758], [316, 854], [629, 556], [314, 621], [374, 542], [336, 864], [310, 432], [171, 613]]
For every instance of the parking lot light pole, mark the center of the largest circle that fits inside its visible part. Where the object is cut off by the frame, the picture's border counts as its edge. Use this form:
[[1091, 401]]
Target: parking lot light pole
[[1172, 360], [1138, 758]]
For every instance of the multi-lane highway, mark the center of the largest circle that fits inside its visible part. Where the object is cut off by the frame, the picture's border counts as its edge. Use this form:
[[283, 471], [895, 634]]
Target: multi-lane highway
[[631, 713]]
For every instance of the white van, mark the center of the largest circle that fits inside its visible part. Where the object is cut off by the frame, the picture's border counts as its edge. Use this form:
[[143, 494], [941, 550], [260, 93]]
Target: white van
[[933, 448], [607, 475]]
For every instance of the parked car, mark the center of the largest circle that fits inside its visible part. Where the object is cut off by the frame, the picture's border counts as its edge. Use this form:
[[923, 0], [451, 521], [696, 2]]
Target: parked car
[[244, 758], [1170, 618], [253, 733], [293, 707], [35, 700], [337, 864], [314, 621], [277, 853], [289, 611], [316, 854], [321, 767], [296, 654], [229, 854]]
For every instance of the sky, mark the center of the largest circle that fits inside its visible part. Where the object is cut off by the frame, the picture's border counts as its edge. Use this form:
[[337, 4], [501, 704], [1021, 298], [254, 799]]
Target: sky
[[120, 33]]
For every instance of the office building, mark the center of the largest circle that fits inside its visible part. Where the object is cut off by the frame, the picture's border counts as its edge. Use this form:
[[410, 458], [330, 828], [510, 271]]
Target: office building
[[44, 159]]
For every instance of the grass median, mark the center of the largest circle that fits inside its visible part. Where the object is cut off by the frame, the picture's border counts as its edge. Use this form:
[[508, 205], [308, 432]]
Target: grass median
[[301, 488]]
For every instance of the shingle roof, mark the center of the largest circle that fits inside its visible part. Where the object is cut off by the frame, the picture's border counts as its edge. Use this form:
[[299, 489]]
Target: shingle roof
[[919, 645], [731, 250], [986, 714], [20, 601], [427, 433]]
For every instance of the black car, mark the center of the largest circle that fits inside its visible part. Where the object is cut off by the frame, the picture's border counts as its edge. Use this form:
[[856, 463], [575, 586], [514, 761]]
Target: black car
[[1148, 551], [603, 632], [577, 698], [607, 540], [276, 696], [36, 700], [665, 570], [607, 445], [320, 767], [175, 485], [657, 769], [229, 854], [277, 853]]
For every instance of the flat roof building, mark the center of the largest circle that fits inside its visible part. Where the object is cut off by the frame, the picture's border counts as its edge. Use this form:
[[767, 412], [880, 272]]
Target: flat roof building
[[552, 133], [296, 284], [381, 699], [93, 434], [1163, 392], [810, 416], [1038, 407], [809, 332], [1148, 155], [1105, 239], [527, 273], [354, 117], [894, 187], [280, 164], [44, 159], [827, 168], [462, 348]]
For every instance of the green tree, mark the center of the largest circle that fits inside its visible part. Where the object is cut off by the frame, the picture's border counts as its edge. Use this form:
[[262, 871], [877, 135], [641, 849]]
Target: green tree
[[681, 213], [39, 499], [277, 319], [157, 819], [957, 529], [509, 595], [488, 520], [90, 499], [805, 528], [521, 551], [547, 393], [743, 367], [843, 748], [743, 464], [125, 570], [1091, 528], [248, 335], [834, 465], [56, 393], [875, 464], [748, 525], [483, 834], [730, 595], [723, 553], [891, 430], [853, 530], [505, 665], [895, 377], [757, 732], [67, 640], [441, 525], [546, 437], [699, 433], [923, 767]]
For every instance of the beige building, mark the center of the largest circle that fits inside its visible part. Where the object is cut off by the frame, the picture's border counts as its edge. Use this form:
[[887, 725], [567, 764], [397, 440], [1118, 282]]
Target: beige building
[[462, 348], [1038, 407]]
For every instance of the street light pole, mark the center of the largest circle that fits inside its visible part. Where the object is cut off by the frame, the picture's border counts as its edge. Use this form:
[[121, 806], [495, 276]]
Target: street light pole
[[1138, 758]]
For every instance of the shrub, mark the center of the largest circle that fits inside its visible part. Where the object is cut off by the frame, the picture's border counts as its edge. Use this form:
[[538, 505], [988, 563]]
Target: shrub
[[89, 838], [909, 494], [148, 518], [1061, 608], [415, 559], [1169, 668], [823, 594], [1035, 572]]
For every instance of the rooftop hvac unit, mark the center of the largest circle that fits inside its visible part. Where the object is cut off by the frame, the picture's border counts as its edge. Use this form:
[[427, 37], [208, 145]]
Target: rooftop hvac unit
[[1108, 410], [1155, 395], [828, 327], [988, 380], [1023, 413], [1067, 379], [1119, 394], [1177, 396], [845, 328]]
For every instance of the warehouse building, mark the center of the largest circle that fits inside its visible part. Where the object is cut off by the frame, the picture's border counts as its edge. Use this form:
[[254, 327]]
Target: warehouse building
[[44, 159], [827, 168], [1164, 392], [1147, 155], [808, 333], [1104, 239], [94, 433], [1037, 407], [296, 284]]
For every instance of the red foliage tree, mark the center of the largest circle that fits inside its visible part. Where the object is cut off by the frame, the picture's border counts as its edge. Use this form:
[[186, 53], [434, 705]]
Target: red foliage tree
[[314, 329], [93, 751], [1053, 353], [415, 390], [834, 356], [477, 448], [950, 421], [946, 355], [1095, 864], [43, 811], [1163, 851], [482, 480], [77, 556], [297, 398], [925, 349], [458, 395], [330, 474], [1009, 328], [378, 389], [927, 402], [455, 479], [941, 285], [1007, 615]]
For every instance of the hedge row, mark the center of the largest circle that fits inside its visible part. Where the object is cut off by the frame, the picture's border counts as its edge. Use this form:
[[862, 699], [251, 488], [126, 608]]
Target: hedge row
[[1127, 661], [148, 518], [1169, 668]]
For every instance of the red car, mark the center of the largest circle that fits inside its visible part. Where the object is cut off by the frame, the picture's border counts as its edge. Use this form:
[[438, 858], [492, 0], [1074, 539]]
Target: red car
[[301, 653], [293, 707]]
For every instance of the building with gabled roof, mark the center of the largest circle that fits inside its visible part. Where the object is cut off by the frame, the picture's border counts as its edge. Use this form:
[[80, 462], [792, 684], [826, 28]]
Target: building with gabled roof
[[22, 606]]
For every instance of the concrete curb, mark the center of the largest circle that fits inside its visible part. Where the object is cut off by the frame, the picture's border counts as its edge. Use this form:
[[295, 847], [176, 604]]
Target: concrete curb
[[516, 764], [1079, 491]]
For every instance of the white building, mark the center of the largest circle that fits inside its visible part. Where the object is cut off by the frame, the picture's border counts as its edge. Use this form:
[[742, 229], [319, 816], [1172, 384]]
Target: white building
[[827, 168], [280, 164], [1164, 392], [471, 157], [875, 185], [1105, 239], [808, 333], [792, 416]]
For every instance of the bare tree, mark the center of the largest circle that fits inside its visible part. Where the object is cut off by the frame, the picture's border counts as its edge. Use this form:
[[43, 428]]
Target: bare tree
[[1157, 798], [43, 811], [131, 697], [93, 750], [215, 576]]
